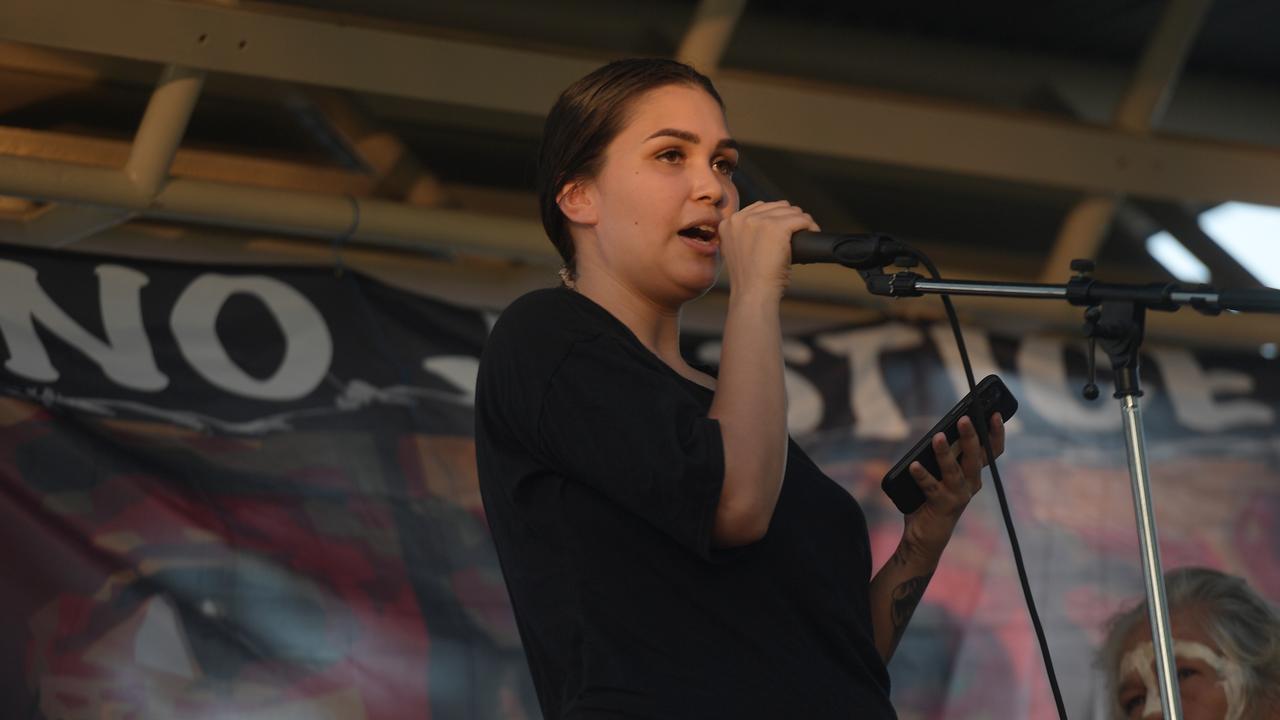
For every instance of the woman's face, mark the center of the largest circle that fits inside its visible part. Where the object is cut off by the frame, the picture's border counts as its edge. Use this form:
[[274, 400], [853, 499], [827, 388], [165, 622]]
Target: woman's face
[[1210, 683], [669, 170]]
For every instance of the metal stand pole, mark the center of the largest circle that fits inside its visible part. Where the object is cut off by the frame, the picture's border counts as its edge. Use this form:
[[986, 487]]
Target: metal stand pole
[[1152, 575], [1118, 325]]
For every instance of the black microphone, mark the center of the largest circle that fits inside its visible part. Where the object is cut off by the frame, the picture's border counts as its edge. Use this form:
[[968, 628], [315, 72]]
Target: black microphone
[[861, 251]]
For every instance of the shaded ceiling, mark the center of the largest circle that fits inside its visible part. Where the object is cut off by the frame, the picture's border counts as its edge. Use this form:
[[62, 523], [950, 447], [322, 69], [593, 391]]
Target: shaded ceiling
[[989, 134]]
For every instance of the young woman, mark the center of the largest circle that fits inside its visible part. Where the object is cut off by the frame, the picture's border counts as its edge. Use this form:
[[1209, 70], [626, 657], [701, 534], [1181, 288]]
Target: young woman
[[669, 552]]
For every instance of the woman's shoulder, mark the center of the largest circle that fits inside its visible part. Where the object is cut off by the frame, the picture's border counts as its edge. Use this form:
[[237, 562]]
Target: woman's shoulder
[[547, 322], [538, 305], [547, 313]]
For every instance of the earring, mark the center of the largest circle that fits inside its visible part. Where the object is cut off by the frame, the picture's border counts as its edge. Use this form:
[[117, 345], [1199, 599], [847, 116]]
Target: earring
[[566, 276]]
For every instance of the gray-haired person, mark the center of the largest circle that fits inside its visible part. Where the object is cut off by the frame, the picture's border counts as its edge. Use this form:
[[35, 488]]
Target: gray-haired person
[[1226, 643]]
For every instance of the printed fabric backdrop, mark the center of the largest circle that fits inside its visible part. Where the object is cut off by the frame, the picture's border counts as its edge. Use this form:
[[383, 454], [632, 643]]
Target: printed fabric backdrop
[[238, 492]]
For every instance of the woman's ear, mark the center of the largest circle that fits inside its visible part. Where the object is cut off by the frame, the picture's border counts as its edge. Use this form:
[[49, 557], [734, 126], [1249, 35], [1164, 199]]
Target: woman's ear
[[578, 203]]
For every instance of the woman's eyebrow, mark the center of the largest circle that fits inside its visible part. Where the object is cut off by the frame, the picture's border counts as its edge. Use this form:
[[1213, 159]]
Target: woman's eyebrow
[[691, 138]]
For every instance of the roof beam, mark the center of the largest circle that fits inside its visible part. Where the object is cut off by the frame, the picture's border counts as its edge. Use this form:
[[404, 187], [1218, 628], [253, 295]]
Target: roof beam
[[187, 162], [380, 223], [1086, 225], [397, 172], [1016, 147], [147, 167], [708, 35], [1162, 61], [321, 52], [826, 120], [1136, 219]]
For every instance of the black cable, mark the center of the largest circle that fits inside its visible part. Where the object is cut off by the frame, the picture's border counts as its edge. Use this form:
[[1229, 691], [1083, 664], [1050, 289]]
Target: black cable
[[981, 427]]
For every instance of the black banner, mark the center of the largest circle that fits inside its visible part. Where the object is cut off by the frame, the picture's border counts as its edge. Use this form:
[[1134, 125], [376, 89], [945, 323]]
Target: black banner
[[250, 492]]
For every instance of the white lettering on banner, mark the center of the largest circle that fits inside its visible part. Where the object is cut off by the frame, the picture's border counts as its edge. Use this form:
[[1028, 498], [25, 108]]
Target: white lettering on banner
[[1048, 389], [804, 403], [980, 355], [308, 345], [876, 414], [459, 371], [125, 357], [1192, 390]]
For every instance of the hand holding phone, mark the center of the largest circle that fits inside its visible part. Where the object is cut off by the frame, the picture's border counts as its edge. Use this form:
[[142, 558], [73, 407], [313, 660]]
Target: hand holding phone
[[989, 396]]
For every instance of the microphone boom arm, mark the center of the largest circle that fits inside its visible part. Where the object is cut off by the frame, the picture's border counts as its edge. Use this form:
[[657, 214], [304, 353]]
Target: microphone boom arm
[[1084, 291]]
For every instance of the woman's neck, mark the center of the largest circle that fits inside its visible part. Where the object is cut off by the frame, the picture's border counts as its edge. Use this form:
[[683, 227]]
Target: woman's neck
[[656, 326]]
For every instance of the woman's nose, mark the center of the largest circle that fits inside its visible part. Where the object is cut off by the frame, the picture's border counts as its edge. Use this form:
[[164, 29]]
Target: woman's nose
[[708, 187]]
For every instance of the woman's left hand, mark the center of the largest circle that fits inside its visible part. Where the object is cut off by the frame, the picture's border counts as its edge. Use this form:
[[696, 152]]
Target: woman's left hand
[[929, 528]]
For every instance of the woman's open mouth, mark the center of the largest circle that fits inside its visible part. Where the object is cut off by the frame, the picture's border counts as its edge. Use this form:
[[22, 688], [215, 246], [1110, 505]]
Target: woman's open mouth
[[704, 235]]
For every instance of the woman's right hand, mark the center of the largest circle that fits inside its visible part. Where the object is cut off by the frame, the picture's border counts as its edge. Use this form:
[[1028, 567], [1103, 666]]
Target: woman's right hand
[[751, 399], [755, 243]]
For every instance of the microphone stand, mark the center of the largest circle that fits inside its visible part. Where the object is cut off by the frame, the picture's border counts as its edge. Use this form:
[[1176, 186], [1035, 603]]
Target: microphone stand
[[1115, 317]]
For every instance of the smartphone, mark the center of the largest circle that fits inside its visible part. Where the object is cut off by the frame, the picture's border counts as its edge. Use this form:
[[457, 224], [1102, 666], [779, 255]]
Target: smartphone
[[992, 395]]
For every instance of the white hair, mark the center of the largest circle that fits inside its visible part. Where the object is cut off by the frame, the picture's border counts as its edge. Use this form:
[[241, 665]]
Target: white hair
[[1245, 627]]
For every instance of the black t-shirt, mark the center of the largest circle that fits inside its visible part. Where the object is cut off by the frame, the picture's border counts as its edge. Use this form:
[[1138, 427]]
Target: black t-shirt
[[600, 473]]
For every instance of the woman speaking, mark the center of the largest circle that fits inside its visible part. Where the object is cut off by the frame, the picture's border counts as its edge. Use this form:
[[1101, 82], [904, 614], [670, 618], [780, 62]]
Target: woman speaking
[[669, 551]]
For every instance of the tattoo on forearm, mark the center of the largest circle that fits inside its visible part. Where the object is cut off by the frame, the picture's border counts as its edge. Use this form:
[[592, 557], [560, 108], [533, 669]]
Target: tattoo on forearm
[[903, 604], [898, 558]]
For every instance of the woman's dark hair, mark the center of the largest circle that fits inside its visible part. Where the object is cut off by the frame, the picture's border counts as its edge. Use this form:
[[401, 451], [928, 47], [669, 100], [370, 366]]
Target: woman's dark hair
[[586, 118]]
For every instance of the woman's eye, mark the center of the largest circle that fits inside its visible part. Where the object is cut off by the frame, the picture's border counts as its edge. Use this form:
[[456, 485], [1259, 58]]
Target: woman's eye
[[1186, 672], [671, 156], [725, 166], [1132, 703]]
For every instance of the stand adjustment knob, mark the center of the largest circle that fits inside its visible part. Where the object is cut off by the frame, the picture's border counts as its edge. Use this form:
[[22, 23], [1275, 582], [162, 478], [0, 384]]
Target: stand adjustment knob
[[1082, 267], [1091, 317]]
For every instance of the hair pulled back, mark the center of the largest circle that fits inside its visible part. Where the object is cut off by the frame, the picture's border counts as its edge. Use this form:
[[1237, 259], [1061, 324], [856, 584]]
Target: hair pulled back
[[588, 115]]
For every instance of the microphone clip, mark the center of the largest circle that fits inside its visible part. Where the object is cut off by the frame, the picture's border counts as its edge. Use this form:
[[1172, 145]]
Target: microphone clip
[[898, 285]]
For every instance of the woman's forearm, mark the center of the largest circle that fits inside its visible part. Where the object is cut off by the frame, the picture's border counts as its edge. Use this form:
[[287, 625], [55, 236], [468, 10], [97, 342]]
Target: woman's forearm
[[751, 407], [895, 592]]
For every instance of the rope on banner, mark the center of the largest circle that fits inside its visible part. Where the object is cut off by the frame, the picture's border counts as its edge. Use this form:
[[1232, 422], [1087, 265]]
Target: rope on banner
[[340, 240]]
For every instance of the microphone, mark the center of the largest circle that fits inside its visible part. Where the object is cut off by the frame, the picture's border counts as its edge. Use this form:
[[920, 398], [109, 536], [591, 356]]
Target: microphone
[[861, 251]]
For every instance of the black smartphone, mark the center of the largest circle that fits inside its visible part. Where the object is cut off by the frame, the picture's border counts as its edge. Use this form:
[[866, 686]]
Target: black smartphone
[[992, 395]]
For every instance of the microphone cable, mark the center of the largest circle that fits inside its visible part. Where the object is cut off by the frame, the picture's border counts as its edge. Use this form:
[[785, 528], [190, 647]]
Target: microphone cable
[[999, 486]]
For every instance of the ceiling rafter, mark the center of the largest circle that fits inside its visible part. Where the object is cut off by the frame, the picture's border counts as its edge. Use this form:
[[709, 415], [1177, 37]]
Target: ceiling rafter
[[808, 118], [1136, 219], [1142, 105], [187, 163], [147, 167], [503, 91], [396, 172], [709, 32]]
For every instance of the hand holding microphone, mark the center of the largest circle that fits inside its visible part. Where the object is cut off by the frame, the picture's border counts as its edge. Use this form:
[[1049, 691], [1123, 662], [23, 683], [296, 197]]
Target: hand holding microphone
[[754, 243], [809, 245]]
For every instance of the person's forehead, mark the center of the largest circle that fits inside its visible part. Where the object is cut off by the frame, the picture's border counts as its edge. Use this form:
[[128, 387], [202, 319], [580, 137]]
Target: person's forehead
[[680, 107], [1184, 623]]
